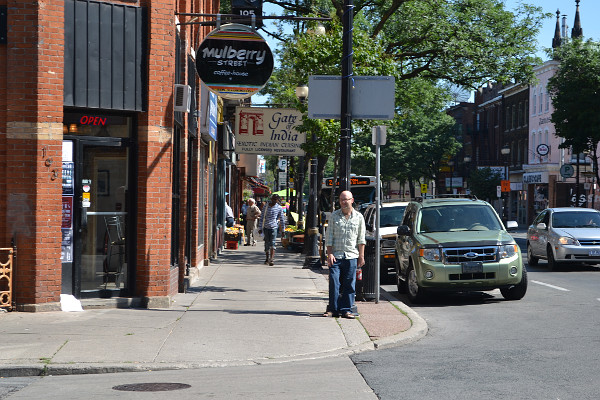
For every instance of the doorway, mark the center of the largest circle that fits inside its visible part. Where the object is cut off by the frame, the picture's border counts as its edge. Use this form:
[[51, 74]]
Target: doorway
[[100, 252]]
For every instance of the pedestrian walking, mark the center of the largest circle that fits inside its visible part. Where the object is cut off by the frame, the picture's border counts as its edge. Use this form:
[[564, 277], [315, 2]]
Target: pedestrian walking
[[252, 215], [271, 219], [345, 253], [229, 220]]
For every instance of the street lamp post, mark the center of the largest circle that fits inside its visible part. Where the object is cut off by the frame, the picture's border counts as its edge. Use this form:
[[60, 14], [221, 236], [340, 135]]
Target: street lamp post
[[451, 165], [467, 161], [302, 95], [311, 246], [505, 151]]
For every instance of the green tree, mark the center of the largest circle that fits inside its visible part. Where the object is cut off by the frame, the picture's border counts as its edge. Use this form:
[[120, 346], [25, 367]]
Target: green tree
[[425, 45], [575, 93], [483, 183]]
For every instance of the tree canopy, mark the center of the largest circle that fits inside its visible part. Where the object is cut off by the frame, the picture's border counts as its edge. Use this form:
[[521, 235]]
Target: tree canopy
[[426, 45], [575, 93]]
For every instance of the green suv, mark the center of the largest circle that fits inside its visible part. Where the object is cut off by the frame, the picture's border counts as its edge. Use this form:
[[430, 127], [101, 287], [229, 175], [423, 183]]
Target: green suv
[[457, 244]]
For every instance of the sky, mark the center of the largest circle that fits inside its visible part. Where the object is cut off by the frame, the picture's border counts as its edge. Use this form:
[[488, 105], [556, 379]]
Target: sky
[[589, 11]]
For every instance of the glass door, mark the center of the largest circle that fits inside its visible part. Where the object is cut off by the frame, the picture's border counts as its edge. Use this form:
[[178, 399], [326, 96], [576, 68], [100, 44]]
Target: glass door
[[102, 237]]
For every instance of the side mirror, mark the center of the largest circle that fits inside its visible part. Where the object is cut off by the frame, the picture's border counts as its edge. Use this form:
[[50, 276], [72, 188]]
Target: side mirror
[[403, 230], [511, 225]]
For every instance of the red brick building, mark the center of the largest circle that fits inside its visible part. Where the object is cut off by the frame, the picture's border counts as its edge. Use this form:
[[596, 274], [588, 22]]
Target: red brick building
[[105, 190]]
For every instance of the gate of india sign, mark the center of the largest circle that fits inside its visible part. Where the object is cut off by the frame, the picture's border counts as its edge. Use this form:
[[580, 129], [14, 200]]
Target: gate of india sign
[[268, 131]]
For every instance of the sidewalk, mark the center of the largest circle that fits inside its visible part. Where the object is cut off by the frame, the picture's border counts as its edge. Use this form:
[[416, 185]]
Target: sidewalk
[[237, 312]]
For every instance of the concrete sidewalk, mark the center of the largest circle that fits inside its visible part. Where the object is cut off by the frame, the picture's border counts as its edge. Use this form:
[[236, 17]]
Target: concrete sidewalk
[[237, 312]]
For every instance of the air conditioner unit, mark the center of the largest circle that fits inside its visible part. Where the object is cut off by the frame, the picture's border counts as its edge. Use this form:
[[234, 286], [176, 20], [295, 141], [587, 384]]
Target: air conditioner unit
[[181, 98]]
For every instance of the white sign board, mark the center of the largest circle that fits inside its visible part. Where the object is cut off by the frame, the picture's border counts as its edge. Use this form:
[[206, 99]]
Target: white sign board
[[455, 182], [268, 131], [372, 97]]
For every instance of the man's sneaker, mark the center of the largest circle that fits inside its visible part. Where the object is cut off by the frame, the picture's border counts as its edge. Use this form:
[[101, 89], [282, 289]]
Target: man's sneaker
[[271, 263]]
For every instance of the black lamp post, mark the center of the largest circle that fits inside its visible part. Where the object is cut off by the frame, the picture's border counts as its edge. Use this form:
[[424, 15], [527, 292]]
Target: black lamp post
[[302, 95], [505, 151], [311, 246], [467, 161], [451, 165]]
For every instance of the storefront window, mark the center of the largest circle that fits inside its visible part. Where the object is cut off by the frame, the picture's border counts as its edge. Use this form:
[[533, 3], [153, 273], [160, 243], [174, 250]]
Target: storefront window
[[98, 125]]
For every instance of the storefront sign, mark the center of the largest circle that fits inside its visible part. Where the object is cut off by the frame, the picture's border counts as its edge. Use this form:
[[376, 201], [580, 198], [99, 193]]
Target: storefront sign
[[543, 149], [535, 177], [268, 131], [234, 61]]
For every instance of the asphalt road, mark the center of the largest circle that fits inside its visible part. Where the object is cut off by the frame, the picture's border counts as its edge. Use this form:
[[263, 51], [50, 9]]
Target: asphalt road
[[479, 346], [544, 346]]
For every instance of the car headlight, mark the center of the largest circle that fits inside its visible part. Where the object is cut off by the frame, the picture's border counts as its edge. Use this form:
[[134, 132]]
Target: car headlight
[[508, 251], [388, 243], [568, 240], [431, 254]]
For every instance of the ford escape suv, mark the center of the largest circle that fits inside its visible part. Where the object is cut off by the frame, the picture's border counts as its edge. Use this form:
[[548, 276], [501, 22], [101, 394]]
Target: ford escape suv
[[457, 244]]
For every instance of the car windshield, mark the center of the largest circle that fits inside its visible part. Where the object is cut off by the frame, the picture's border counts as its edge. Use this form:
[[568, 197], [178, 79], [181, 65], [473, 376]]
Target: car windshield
[[391, 216], [453, 218], [576, 219]]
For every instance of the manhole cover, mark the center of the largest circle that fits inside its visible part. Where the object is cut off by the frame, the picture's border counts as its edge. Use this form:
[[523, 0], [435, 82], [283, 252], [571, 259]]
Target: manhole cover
[[151, 387]]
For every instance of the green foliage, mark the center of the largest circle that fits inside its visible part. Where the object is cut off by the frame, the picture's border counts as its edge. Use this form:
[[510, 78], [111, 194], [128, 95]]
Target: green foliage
[[426, 45], [575, 91], [483, 183]]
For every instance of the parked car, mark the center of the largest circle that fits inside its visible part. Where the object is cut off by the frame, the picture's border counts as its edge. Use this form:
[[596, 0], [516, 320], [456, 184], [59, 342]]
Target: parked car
[[390, 214], [564, 235], [457, 244]]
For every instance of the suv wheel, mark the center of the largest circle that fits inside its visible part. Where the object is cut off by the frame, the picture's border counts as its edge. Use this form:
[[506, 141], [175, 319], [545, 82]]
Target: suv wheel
[[416, 294], [516, 292], [531, 259]]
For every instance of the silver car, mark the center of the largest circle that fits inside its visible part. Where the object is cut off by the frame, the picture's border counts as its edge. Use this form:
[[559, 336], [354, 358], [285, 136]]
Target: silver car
[[564, 235]]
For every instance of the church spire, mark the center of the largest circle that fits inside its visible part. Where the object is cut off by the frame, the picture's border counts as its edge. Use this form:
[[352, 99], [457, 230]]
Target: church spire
[[577, 32], [556, 40]]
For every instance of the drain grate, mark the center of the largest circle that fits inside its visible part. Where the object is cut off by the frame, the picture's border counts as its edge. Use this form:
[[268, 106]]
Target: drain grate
[[151, 387]]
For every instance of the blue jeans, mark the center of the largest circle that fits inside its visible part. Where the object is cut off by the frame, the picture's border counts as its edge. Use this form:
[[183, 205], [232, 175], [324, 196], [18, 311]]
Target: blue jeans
[[342, 283], [270, 236]]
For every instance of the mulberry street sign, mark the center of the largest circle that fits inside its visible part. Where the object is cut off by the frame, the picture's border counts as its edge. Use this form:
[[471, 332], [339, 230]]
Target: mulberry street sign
[[234, 61]]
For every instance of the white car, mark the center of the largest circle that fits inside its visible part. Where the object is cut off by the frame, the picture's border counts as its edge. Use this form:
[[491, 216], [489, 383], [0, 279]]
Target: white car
[[390, 213], [564, 235]]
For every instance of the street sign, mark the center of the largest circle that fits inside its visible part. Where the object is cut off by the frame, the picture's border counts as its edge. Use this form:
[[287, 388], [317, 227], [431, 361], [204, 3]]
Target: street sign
[[282, 164], [372, 97], [379, 135], [567, 171], [423, 188], [505, 186], [499, 191]]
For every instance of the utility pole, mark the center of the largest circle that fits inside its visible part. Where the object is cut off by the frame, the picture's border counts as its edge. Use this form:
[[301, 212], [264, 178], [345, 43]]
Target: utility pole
[[346, 105]]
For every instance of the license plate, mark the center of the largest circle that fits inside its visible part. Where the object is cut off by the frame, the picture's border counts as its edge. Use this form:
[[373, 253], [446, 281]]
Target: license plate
[[594, 253], [472, 267]]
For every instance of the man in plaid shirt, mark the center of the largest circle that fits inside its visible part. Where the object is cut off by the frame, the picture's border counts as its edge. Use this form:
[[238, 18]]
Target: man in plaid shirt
[[345, 253]]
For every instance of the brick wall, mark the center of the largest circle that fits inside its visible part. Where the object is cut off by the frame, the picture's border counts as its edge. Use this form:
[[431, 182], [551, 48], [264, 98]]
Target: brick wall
[[32, 144]]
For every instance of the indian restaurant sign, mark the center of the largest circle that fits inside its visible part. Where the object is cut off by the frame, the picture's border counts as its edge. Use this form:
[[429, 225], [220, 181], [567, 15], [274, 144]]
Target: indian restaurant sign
[[268, 131]]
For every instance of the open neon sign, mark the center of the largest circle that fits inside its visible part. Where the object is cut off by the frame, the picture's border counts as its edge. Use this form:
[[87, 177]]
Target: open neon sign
[[92, 120]]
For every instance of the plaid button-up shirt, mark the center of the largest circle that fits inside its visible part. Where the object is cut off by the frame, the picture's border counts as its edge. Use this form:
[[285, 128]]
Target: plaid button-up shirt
[[344, 234]]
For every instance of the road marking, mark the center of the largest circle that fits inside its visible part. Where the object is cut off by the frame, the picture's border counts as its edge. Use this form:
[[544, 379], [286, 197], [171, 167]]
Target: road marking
[[551, 286]]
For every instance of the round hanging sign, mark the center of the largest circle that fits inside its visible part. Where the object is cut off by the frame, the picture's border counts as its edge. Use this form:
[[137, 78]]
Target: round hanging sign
[[543, 149], [234, 61]]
